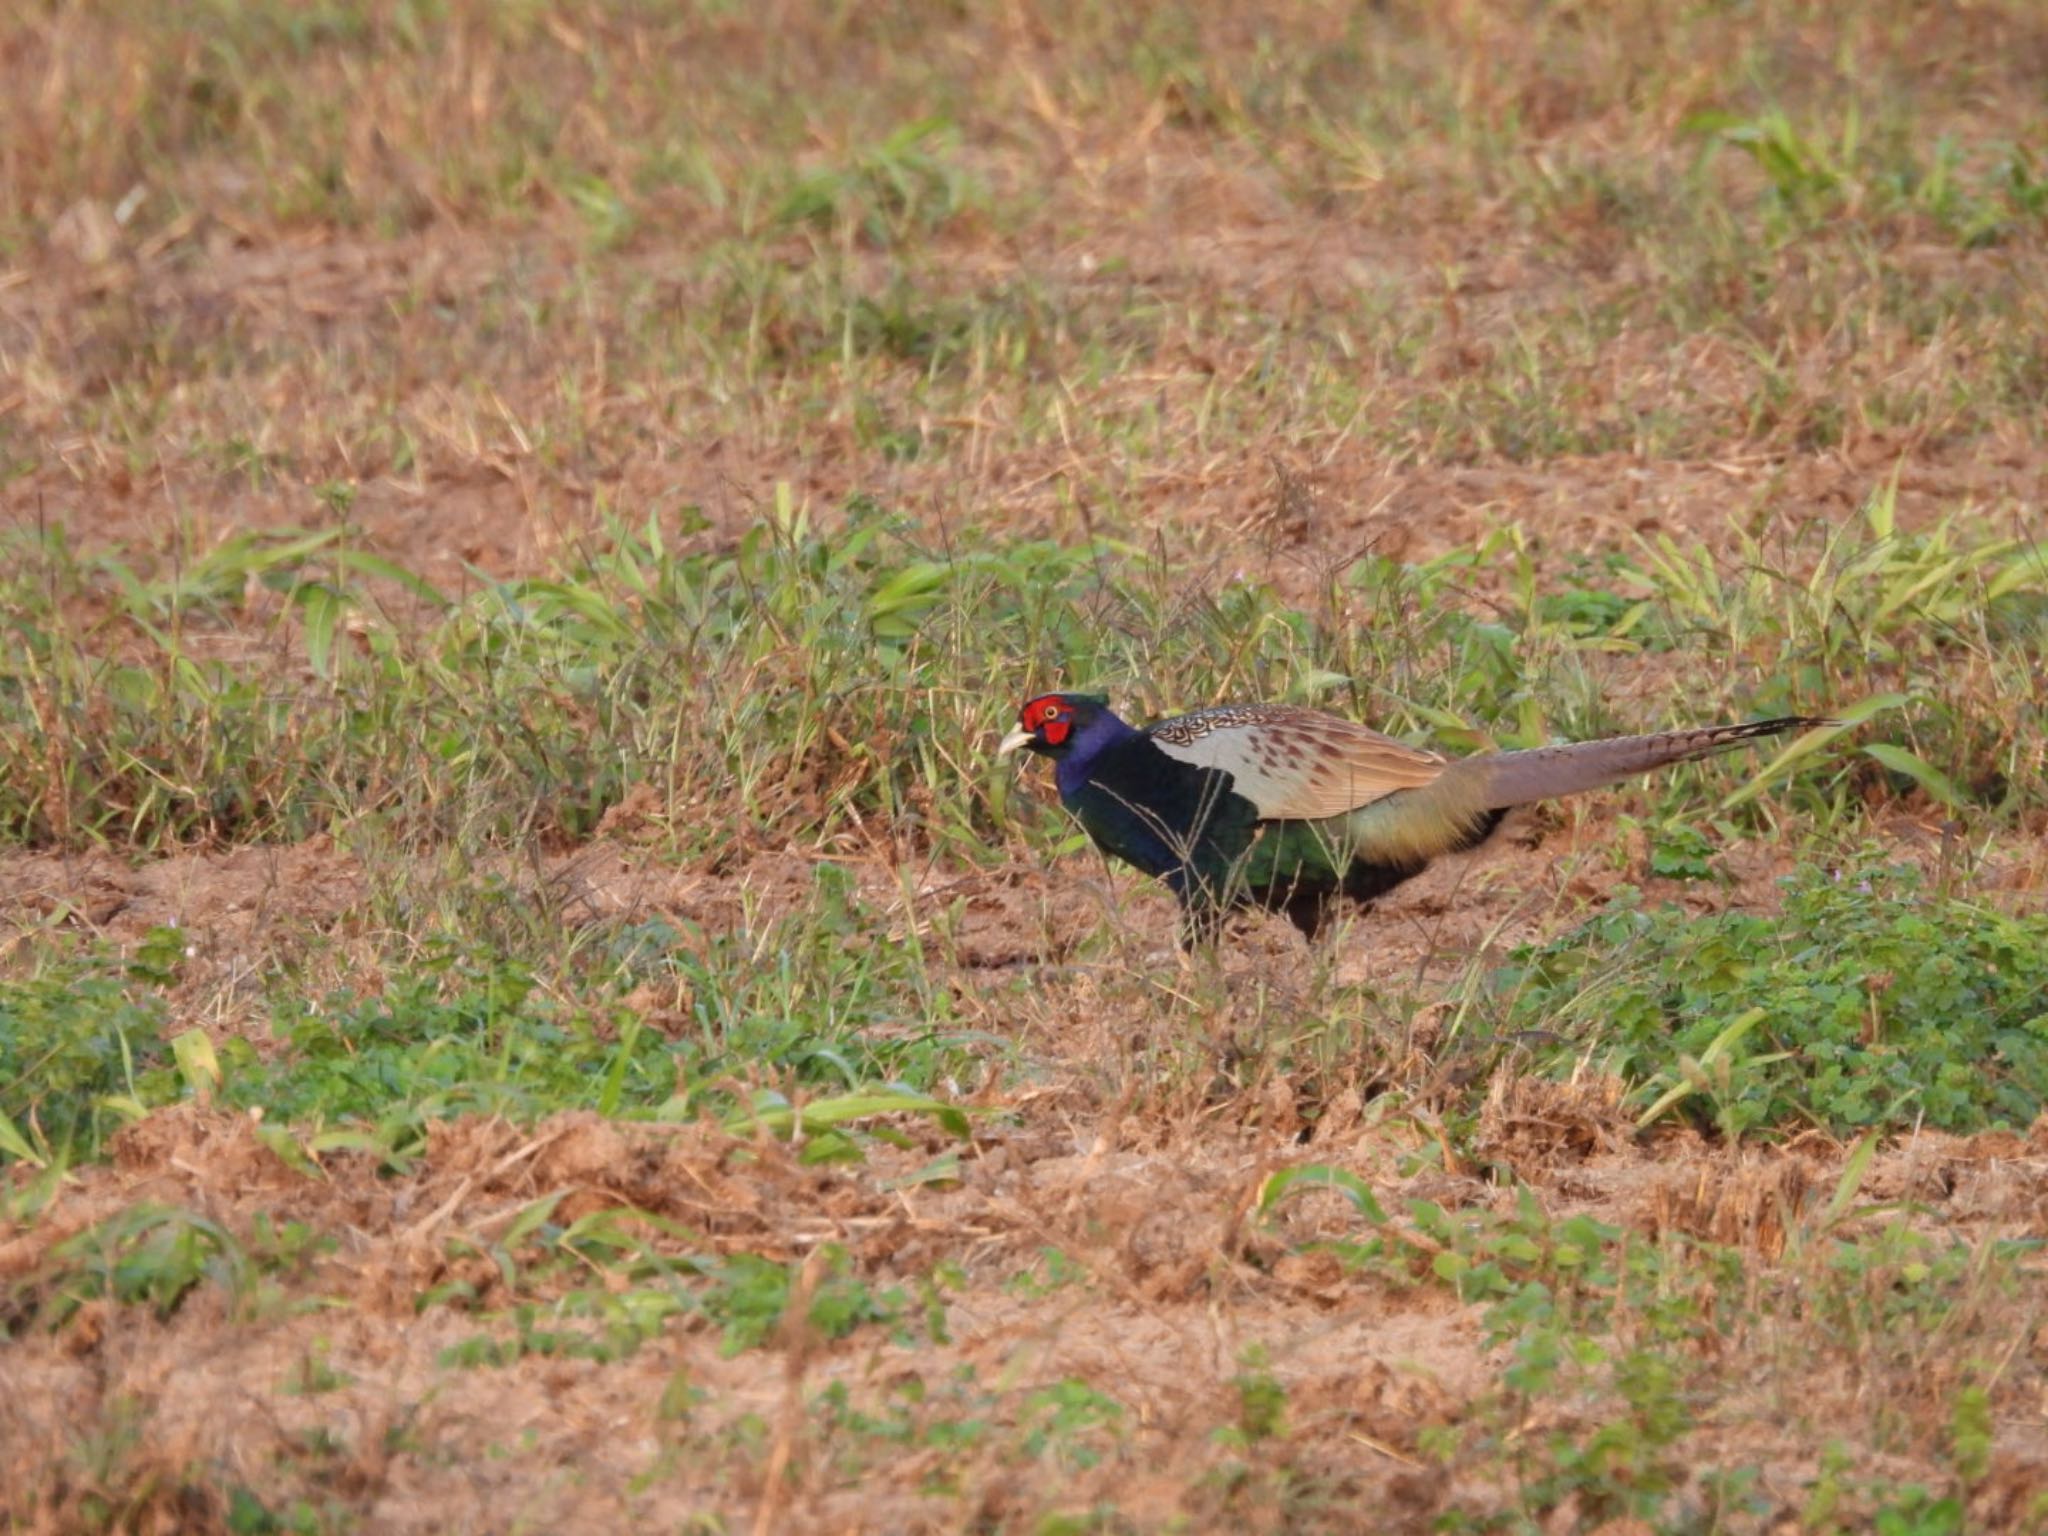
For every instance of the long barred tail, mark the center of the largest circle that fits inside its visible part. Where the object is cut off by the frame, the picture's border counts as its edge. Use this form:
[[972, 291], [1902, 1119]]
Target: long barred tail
[[1542, 773]]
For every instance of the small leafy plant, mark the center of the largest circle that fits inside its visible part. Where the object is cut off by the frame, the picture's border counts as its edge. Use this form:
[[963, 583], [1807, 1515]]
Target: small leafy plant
[[1869, 1001]]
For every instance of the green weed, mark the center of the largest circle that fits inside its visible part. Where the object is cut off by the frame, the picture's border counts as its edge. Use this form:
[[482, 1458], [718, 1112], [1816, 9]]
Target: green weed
[[1868, 1000], [156, 1256], [746, 1297], [82, 1050]]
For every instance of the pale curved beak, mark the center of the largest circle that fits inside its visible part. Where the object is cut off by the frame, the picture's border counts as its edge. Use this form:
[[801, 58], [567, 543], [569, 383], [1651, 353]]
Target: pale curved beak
[[1011, 742]]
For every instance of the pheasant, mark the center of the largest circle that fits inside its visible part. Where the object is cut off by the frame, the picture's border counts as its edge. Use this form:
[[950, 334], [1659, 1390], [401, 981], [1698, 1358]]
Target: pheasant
[[1293, 810]]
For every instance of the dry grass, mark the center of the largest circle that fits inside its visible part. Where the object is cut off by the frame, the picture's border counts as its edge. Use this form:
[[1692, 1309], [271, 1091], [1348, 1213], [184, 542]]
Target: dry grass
[[678, 393]]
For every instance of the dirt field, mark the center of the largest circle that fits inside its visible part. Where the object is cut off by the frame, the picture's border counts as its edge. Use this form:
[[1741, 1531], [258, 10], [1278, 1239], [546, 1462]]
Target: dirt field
[[529, 1006]]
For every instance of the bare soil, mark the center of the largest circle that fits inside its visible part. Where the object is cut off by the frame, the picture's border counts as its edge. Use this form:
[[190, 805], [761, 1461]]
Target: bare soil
[[1180, 1285], [1151, 1200]]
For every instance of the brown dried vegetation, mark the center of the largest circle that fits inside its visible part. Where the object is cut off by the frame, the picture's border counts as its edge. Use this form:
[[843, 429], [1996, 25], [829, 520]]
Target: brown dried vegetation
[[1256, 293]]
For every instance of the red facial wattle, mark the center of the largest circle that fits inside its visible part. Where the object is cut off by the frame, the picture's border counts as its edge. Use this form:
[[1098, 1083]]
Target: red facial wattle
[[1050, 719]]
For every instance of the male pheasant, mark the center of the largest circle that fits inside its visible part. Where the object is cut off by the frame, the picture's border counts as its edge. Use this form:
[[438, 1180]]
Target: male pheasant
[[1294, 810]]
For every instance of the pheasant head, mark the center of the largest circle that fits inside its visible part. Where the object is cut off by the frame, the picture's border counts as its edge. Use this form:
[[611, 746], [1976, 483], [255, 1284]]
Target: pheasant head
[[1054, 724]]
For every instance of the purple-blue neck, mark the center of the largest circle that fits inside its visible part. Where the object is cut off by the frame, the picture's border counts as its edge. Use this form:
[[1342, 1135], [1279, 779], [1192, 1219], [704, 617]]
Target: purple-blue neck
[[1098, 732]]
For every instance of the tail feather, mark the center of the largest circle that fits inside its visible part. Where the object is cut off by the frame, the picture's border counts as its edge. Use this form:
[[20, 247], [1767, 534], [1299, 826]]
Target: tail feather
[[1542, 773], [1403, 831]]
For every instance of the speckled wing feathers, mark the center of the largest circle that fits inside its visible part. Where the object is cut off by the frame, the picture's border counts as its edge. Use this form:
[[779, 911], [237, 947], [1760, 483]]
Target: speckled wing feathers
[[1293, 763]]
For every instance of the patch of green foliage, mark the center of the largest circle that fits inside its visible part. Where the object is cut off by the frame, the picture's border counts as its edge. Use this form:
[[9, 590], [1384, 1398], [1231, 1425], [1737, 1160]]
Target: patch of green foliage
[[948, 1423], [770, 1011], [810, 683], [1939, 622], [1611, 1343], [1870, 1000], [900, 190], [812, 998], [746, 1296], [1980, 199], [80, 1041], [155, 1255]]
